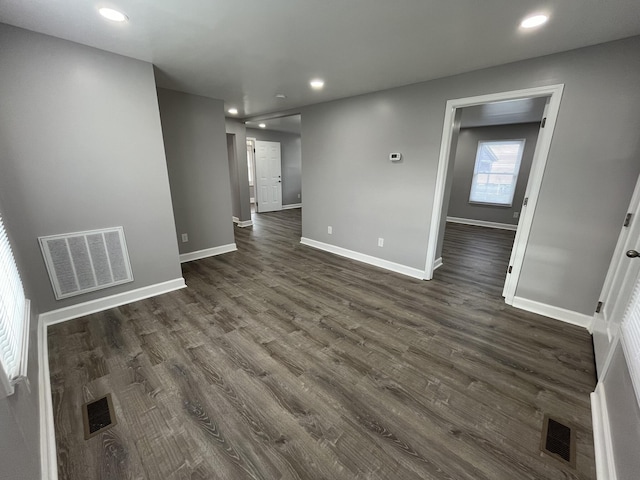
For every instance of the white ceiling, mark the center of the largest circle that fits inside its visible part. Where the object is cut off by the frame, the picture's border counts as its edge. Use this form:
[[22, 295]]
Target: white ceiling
[[246, 51], [503, 113]]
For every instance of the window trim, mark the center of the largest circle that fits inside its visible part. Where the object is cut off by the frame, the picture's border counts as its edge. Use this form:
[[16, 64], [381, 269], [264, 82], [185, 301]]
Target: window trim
[[15, 328], [516, 175]]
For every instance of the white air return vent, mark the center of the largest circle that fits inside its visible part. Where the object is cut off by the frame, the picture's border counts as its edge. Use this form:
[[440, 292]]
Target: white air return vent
[[86, 261]]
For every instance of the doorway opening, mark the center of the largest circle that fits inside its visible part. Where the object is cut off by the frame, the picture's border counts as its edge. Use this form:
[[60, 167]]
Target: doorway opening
[[274, 157], [495, 182]]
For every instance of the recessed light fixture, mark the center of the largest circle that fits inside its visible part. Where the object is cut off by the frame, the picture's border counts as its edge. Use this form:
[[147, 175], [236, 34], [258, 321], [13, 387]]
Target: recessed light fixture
[[113, 15], [534, 21], [317, 84], [263, 125], [233, 111], [280, 95]]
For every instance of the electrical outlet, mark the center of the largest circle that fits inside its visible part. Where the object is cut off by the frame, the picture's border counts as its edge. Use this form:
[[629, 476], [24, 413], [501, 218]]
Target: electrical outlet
[[298, 195], [381, 242], [185, 238], [516, 214], [329, 229]]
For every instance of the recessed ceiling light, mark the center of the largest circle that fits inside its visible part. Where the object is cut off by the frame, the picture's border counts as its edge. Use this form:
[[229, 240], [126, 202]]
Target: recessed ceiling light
[[233, 111], [534, 21], [114, 15], [316, 84], [280, 95], [263, 125]]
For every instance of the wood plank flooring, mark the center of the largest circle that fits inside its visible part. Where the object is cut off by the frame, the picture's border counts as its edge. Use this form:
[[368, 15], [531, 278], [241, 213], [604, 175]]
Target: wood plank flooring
[[284, 362]]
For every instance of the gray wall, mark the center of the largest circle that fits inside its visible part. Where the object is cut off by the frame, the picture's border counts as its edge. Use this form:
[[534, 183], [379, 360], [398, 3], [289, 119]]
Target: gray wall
[[195, 143], [624, 416], [240, 174], [349, 183], [291, 154], [465, 159], [80, 148], [19, 413]]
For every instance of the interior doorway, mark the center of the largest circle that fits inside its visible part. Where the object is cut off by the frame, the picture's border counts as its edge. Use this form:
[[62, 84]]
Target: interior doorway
[[451, 130], [278, 182]]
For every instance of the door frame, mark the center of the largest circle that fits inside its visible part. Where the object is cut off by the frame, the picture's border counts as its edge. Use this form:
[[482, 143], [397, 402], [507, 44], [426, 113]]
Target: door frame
[[554, 92]]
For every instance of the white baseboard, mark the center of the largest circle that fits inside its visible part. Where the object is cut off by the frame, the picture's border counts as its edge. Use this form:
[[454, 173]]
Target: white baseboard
[[208, 252], [482, 223], [438, 263], [48, 452], [602, 442], [567, 316], [291, 205], [112, 301], [361, 257], [243, 223]]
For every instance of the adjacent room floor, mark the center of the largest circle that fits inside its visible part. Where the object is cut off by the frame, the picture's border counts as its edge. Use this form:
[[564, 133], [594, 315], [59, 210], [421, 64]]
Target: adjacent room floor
[[284, 362]]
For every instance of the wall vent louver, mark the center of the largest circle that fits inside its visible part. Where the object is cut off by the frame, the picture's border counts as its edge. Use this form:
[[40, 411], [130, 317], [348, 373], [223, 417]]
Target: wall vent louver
[[83, 262]]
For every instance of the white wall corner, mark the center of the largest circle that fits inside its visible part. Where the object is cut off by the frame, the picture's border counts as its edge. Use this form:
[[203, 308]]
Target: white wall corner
[[438, 263], [208, 252], [93, 306], [567, 316], [361, 257], [291, 205], [482, 223], [602, 441]]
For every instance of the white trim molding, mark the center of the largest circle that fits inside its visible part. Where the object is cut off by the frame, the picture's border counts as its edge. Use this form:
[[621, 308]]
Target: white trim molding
[[291, 205], [567, 316], [602, 441], [48, 452], [481, 223], [361, 257], [533, 186], [438, 263], [208, 252], [93, 306], [243, 223]]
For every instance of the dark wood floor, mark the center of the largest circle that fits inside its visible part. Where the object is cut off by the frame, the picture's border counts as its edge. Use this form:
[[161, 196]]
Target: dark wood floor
[[283, 362]]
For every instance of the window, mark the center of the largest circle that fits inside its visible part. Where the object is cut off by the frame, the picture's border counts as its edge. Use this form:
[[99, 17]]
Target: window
[[14, 316], [631, 337], [496, 172]]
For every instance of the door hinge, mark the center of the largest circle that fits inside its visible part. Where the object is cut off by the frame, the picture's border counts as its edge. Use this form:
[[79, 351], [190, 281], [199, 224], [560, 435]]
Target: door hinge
[[544, 122], [599, 307], [509, 269], [627, 220], [526, 200]]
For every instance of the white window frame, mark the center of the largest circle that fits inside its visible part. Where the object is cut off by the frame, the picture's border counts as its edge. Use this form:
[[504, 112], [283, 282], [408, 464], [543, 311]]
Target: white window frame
[[14, 320], [481, 144]]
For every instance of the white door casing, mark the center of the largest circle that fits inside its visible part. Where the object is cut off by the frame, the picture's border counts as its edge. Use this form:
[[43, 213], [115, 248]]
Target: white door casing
[[618, 283], [268, 176], [554, 92]]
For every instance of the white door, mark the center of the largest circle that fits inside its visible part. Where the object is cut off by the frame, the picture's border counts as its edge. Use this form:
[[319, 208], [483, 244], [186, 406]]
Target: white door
[[268, 176], [618, 284]]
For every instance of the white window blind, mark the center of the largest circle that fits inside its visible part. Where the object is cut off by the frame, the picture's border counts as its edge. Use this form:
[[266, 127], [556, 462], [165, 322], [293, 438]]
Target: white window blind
[[14, 319], [631, 337], [496, 172]]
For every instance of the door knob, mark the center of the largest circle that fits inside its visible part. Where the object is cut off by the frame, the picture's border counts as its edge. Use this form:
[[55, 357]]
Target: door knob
[[633, 254]]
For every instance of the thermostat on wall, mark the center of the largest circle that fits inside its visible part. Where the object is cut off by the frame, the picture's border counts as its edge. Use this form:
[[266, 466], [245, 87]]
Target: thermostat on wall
[[395, 157]]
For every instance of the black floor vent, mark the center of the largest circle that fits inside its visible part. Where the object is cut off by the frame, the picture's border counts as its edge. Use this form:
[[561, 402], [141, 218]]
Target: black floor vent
[[98, 416], [559, 440]]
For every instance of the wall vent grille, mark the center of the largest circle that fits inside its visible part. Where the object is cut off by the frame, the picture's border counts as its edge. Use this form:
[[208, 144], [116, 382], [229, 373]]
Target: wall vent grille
[[83, 262]]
